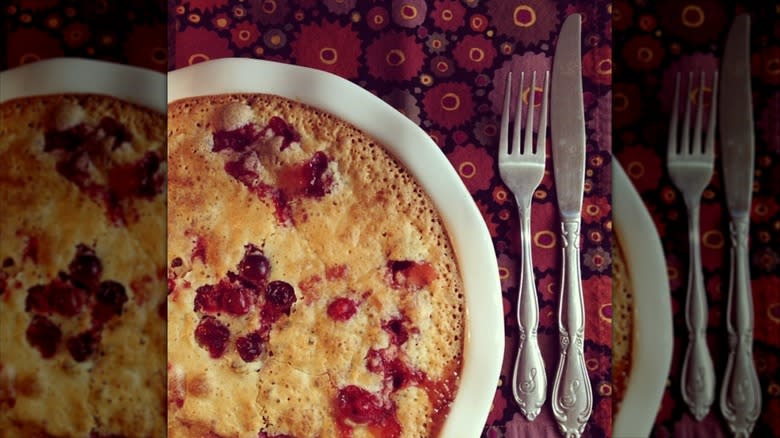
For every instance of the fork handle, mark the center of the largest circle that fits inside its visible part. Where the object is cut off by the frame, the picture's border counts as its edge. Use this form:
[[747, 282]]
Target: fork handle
[[572, 399], [698, 375], [740, 397], [529, 380]]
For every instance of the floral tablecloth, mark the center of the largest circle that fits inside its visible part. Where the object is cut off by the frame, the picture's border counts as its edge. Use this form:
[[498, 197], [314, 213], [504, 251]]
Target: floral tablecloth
[[131, 33], [653, 40], [443, 64]]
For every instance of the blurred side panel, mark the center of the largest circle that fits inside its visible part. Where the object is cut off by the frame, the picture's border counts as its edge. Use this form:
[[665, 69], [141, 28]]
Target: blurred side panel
[[82, 229]]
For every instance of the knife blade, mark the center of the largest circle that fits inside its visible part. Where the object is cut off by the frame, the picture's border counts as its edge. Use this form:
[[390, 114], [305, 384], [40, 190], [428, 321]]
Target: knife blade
[[567, 119], [572, 398], [740, 397]]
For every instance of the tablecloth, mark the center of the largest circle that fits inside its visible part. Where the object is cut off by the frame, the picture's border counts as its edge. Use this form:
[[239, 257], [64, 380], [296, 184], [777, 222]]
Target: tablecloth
[[652, 41], [443, 63], [131, 33]]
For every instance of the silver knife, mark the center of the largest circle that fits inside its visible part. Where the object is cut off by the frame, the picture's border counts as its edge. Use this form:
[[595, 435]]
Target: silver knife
[[572, 399], [740, 395]]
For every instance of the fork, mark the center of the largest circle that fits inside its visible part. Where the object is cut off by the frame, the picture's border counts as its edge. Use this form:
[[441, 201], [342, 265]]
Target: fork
[[690, 165], [522, 169]]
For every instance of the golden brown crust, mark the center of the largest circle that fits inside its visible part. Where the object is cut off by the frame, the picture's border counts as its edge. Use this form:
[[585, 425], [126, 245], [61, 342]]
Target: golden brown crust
[[623, 331], [331, 246], [119, 388]]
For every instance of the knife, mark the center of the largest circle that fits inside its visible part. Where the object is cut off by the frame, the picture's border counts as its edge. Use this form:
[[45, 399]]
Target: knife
[[740, 396], [572, 399]]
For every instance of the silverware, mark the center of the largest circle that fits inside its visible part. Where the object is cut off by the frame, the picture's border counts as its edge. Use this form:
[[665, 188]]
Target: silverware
[[572, 398], [690, 165], [740, 396], [522, 170]]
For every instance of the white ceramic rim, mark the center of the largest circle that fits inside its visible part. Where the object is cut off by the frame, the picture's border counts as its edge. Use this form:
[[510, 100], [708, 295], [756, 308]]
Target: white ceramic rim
[[652, 317], [484, 334], [76, 75]]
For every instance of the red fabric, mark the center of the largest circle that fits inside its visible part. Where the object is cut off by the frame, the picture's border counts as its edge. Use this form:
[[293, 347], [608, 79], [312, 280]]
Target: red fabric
[[652, 42]]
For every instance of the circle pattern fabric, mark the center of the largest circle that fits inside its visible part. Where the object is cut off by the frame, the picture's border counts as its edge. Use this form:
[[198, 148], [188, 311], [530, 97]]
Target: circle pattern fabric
[[654, 41]]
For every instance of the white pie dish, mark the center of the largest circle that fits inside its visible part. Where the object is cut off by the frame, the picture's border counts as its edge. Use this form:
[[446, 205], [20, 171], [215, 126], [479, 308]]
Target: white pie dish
[[75, 75], [484, 333], [652, 340]]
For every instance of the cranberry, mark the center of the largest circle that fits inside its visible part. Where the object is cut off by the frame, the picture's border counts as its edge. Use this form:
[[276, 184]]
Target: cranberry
[[212, 335], [75, 168], [254, 267], [82, 346], [249, 347], [8, 262], [237, 139], [342, 309], [359, 405], [208, 299], [65, 299], [239, 171], [110, 298], [114, 129], [148, 183], [85, 268], [67, 140], [280, 295], [399, 265], [37, 299], [317, 184], [280, 128], [397, 331], [236, 300], [175, 263], [399, 375], [136, 179], [44, 335]]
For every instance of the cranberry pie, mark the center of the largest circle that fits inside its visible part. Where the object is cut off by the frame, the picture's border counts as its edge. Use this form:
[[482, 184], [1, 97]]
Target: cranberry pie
[[82, 278], [312, 288]]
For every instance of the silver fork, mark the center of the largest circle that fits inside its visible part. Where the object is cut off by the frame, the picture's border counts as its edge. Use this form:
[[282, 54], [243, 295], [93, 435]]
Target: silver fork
[[690, 165], [522, 169]]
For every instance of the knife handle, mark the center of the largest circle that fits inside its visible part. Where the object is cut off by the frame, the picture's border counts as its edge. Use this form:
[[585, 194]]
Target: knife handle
[[740, 396], [697, 381], [529, 380], [572, 398]]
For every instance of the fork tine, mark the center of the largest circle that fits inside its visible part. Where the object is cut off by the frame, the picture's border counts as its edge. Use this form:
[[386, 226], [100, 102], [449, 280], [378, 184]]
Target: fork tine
[[697, 130], [541, 140], [528, 147], [685, 141], [503, 142], [516, 145], [674, 119], [709, 145]]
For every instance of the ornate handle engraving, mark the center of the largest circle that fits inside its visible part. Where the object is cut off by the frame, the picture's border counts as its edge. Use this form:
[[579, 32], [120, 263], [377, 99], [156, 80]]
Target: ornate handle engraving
[[529, 381], [572, 398], [698, 374], [740, 396]]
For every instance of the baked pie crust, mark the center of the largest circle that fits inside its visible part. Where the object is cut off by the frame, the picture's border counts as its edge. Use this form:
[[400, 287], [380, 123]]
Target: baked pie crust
[[313, 289]]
